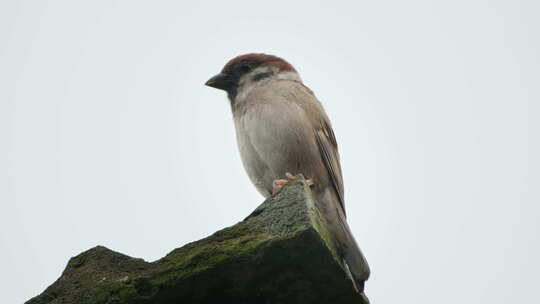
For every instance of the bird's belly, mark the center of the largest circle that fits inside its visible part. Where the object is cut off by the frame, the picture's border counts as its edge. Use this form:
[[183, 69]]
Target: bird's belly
[[259, 172], [267, 158]]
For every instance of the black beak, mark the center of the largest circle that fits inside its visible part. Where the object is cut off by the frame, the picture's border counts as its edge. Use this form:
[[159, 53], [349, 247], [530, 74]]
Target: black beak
[[221, 81]]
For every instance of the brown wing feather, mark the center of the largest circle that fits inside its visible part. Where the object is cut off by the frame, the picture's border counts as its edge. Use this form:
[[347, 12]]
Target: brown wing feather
[[330, 156], [328, 151], [324, 135]]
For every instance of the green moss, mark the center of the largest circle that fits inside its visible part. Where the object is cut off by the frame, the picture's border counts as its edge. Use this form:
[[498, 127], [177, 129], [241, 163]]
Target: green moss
[[281, 253], [200, 256]]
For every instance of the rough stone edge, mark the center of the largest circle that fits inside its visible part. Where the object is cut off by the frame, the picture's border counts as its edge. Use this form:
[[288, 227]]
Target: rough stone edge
[[317, 224]]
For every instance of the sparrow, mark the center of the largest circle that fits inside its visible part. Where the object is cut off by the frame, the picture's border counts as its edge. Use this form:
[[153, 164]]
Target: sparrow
[[281, 128]]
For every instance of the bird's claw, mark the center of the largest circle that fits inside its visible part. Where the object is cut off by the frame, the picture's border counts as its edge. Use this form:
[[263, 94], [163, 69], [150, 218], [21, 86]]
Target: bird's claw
[[279, 183], [309, 182]]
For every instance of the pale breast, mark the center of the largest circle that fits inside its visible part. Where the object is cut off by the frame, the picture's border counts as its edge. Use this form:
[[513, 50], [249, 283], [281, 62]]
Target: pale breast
[[274, 137], [255, 167]]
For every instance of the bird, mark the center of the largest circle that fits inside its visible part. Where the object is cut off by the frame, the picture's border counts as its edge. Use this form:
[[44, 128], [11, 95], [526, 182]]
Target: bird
[[281, 127]]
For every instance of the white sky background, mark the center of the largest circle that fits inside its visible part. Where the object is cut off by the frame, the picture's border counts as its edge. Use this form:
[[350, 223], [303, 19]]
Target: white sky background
[[108, 136]]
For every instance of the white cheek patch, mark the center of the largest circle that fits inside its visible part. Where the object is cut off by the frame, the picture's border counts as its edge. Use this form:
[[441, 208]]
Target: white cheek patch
[[248, 77], [246, 82], [290, 75], [243, 91], [249, 81]]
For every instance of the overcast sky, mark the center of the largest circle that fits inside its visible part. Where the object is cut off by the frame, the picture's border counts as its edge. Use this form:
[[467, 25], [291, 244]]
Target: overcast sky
[[108, 136]]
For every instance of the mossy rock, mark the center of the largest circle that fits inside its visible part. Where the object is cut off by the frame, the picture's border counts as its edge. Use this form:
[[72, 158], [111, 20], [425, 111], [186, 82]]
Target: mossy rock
[[281, 253]]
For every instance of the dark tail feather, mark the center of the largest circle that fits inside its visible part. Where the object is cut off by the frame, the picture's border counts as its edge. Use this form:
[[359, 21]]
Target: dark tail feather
[[351, 255]]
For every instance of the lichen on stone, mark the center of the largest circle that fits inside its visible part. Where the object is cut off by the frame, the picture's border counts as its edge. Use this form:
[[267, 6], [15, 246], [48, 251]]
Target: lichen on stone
[[281, 253]]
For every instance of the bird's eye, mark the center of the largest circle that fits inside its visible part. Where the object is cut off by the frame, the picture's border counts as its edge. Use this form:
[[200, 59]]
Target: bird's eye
[[244, 68]]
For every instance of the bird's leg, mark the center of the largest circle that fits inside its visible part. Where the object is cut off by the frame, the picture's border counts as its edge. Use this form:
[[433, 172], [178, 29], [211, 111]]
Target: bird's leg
[[279, 183], [309, 182]]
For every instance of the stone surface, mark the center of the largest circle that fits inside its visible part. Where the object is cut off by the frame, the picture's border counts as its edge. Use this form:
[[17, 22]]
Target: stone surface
[[281, 253]]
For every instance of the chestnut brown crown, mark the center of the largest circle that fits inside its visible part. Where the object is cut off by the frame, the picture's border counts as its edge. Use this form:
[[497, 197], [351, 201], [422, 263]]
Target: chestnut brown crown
[[254, 60], [228, 79]]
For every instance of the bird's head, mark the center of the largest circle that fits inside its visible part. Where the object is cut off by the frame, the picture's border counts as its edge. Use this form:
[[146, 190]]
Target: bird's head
[[244, 70]]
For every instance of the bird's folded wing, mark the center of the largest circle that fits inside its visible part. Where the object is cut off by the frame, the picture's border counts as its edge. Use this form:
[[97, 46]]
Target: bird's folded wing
[[324, 136], [329, 153]]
